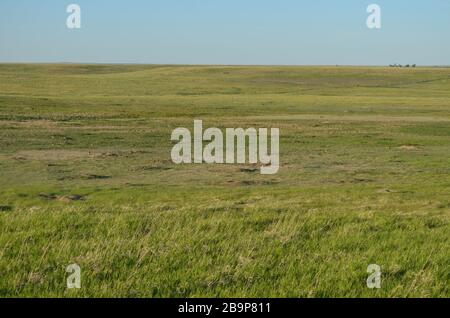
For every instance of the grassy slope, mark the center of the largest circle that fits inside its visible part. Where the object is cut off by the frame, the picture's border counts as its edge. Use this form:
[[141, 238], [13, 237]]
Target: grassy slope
[[87, 178]]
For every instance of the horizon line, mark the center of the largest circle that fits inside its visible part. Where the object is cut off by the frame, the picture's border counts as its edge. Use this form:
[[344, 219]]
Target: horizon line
[[230, 65]]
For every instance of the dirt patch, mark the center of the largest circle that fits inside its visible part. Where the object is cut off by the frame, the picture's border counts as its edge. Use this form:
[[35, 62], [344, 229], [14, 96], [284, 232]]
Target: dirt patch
[[361, 180], [40, 123], [78, 154], [62, 198], [55, 155], [408, 147], [110, 154], [249, 170], [247, 183], [20, 158], [67, 178], [95, 177], [155, 168], [70, 198]]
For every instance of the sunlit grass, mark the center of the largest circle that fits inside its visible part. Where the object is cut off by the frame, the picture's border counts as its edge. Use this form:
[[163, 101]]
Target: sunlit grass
[[87, 178]]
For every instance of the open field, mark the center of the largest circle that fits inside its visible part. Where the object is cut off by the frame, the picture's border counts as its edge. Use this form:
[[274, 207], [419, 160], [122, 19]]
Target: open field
[[87, 178]]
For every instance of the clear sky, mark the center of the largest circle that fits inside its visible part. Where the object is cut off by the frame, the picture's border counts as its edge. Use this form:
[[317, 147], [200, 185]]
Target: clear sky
[[324, 32]]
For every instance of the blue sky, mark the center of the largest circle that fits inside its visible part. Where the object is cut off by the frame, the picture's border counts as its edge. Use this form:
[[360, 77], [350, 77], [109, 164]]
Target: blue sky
[[294, 32]]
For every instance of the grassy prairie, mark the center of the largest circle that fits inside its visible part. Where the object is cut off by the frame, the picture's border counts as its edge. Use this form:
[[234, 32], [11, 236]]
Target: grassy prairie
[[87, 178]]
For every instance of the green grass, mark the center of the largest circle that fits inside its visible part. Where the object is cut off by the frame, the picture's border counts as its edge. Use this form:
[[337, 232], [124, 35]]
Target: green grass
[[87, 178]]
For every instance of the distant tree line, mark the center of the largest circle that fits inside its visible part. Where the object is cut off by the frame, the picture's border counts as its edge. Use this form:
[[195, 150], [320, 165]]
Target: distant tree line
[[399, 65]]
